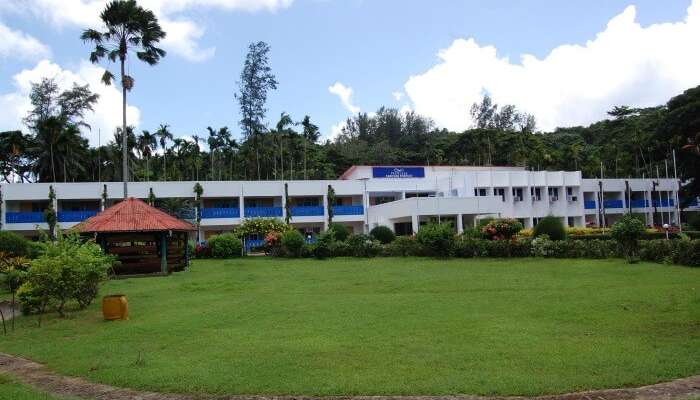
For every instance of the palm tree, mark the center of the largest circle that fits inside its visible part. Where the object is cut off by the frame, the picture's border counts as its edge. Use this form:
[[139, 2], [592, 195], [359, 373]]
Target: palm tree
[[129, 27], [213, 142], [280, 132], [196, 139], [146, 143], [164, 135], [310, 135]]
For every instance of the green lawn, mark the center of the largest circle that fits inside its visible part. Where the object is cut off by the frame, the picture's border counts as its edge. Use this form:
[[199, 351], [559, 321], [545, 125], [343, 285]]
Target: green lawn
[[10, 389], [384, 326]]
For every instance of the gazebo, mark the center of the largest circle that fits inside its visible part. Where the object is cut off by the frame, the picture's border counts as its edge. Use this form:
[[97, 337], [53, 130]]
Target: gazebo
[[145, 239]]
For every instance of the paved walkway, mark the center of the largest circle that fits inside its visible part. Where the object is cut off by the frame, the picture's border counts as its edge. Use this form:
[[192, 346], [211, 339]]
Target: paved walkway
[[38, 376]]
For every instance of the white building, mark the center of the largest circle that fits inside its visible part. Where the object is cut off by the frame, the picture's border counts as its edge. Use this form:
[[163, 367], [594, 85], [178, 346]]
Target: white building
[[401, 198]]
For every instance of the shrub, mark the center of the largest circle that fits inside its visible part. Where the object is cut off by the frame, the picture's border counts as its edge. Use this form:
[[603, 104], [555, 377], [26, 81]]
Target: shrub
[[340, 231], [474, 233], [14, 245], [485, 221], [340, 249], [226, 245], [468, 247], [687, 252], [502, 229], [202, 250], [403, 246], [694, 220], [322, 250], [67, 270], [273, 243], [550, 226], [261, 226], [436, 239], [542, 246], [361, 245], [627, 231], [660, 250], [292, 243], [383, 234]]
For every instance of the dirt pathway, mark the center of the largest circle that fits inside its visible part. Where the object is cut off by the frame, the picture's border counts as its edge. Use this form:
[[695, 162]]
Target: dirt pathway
[[38, 376]]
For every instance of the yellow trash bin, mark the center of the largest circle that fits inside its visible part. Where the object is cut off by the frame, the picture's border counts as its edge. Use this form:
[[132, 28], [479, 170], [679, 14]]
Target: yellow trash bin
[[115, 307]]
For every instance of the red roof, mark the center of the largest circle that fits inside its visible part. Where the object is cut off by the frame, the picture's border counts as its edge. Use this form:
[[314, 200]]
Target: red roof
[[133, 215]]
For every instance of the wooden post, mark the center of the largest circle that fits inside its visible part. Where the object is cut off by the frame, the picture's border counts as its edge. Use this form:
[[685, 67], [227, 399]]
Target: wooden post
[[164, 253], [187, 250]]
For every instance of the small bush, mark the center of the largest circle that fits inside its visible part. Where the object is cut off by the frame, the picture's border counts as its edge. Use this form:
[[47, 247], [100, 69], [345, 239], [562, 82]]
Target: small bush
[[542, 246], [550, 226], [340, 249], [468, 247], [226, 245], [660, 250], [363, 246], [323, 245], [67, 270], [627, 231], [502, 229], [694, 220], [687, 252], [292, 243], [383, 234], [403, 246], [14, 245], [340, 231], [436, 239]]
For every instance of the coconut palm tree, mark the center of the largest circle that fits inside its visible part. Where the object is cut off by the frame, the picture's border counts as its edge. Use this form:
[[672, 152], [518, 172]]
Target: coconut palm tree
[[129, 27], [146, 143], [164, 135]]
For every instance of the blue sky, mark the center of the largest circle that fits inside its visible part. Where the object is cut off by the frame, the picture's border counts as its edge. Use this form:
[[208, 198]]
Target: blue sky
[[372, 47]]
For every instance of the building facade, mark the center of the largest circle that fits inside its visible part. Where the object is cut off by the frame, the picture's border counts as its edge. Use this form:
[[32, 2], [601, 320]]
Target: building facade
[[401, 198]]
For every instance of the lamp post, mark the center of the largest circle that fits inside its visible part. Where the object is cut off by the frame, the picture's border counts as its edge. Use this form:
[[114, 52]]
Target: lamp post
[[666, 226]]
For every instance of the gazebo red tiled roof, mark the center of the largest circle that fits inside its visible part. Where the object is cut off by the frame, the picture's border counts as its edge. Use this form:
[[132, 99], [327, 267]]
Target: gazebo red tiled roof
[[133, 215]]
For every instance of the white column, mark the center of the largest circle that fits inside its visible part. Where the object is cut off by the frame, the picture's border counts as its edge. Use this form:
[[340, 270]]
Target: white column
[[460, 226], [241, 206], [284, 207], [414, 223], [325, 212], [3, 208]]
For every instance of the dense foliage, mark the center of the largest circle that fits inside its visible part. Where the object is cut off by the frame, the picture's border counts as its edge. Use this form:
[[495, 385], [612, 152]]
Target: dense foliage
[[550, 226], [383, 234], [13, 244], [67, 270], [502, 229], [340, 231], [436, 239], [261, 226], [627, 231], [292, 243], [226, 245]]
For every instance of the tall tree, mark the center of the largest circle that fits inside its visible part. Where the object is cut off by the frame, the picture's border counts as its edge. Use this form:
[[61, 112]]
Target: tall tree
[[255, 81], [310, 136], [146, 143], [129, 27], [164, 134]]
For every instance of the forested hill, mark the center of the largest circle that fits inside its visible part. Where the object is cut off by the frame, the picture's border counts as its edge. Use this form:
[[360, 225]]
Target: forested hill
[[631, 142]]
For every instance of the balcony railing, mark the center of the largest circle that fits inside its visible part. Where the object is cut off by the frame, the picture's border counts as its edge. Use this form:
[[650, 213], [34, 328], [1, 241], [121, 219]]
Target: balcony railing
[[639, 203], [590, 204], [306, 211], [253, 243], [267, 212], [208, 213], [664, 203], [348, 210], [75, 216], [24, 217], [613, 204]]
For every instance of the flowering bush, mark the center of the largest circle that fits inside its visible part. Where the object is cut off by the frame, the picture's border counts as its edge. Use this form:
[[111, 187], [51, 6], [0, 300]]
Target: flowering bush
[[261, 226], [502, 229]]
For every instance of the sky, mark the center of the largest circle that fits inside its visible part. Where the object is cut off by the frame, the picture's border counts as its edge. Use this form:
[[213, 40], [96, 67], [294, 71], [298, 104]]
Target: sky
[[565, 62]]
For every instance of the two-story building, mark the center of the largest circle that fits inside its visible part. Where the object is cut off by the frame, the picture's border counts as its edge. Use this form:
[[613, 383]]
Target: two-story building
[[400, 197]]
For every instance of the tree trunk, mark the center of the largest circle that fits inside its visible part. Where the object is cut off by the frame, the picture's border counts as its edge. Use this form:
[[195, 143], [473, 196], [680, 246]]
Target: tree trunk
[[53, 163], [125, 167]]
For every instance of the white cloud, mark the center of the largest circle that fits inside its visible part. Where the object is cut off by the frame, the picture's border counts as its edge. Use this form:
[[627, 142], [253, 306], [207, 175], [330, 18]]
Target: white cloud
[[336, 130], [105, 118], [345, 95], [182, 32], [398, 95], [574, 84], [19, 45]]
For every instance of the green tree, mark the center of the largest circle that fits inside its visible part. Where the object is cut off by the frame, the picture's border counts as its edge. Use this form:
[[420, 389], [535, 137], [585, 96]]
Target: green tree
[[163, 134], [129, 27], [146, 143], [255, 82]]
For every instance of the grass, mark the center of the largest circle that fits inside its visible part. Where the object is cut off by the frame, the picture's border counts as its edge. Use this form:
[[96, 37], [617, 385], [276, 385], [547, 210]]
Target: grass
[[384, 326], [10, 389]]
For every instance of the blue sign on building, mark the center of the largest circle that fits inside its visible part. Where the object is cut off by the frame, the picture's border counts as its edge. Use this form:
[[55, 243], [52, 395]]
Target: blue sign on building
[[398, 172]]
